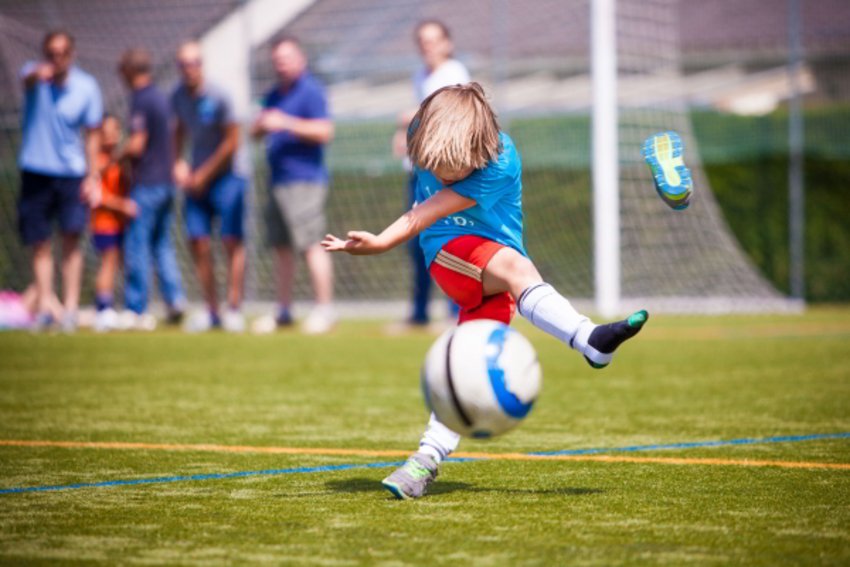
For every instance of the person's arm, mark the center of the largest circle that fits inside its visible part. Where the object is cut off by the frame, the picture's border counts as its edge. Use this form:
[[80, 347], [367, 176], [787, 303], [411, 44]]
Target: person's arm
[[181, 170], [443, 203], [90, 187], [35, 72], [122, 205], [218, 161], [313, 130], [134, 147]]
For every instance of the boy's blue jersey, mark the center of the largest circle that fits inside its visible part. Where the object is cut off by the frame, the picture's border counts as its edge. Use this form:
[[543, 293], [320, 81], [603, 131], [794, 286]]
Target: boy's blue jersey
[[497, 214]]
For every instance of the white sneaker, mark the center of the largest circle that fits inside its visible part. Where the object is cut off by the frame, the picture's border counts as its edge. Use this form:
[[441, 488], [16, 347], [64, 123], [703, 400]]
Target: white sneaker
[[132, 321], [105, 321], [199, 321], [69, 322], [233, 321], [321, 319], [264, 325]]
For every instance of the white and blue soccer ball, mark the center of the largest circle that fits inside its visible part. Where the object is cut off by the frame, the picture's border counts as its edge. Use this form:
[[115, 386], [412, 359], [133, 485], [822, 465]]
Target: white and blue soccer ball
[[481, 378]]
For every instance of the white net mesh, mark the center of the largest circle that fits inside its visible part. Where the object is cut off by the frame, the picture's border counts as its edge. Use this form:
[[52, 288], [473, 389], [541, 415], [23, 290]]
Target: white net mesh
[[533, 58]]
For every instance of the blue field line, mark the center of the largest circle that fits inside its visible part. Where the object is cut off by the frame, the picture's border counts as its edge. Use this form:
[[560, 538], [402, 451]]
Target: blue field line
[[697, 444], [350, 466], [214, 476]]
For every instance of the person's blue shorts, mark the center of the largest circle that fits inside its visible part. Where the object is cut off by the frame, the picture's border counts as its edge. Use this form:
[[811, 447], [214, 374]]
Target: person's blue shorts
[[44, 198], [103, 242], [225, 199]]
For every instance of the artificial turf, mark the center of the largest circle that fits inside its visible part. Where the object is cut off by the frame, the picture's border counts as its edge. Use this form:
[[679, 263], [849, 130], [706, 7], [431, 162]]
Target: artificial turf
[[682, 380]]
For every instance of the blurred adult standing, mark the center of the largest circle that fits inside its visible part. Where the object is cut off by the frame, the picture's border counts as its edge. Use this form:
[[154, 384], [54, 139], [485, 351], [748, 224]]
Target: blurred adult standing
[[63, 110], [297, 125], [148, 239], [205, 119], [439, 69]]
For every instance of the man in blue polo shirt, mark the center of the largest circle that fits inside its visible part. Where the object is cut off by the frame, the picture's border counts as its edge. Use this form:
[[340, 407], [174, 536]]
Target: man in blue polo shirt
[[297, 126], [148, 237], [205, 119], [62, 113]]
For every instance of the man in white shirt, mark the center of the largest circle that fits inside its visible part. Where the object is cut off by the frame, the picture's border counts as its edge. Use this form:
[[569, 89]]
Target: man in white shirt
[[439, 69]]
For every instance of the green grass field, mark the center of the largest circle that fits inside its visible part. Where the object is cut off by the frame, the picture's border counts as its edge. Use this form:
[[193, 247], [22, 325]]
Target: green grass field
[[683, 380]]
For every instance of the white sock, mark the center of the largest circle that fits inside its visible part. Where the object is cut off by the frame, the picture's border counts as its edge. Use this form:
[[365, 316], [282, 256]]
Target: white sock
[[551, 312], [438, 441]]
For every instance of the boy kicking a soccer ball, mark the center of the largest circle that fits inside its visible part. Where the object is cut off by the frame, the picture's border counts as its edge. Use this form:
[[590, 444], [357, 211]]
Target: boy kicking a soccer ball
[[468, 215]]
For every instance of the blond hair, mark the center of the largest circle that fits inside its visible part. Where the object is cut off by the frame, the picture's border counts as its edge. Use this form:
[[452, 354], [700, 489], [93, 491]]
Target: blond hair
[[454, 129]]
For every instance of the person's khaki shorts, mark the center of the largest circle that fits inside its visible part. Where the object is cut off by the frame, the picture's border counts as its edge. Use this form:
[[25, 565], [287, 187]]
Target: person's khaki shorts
[[295, 216]]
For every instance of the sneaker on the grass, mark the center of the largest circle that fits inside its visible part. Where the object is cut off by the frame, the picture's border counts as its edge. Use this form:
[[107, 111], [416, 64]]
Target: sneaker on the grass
[[321, 319], [199, 321], [69, 322], [105, 320], [131, 321], [411, 480], [264, 324], [42, 322], [233, 321]]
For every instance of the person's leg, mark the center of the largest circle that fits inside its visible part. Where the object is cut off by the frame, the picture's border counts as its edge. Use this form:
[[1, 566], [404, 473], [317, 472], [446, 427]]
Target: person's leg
[[72, 273], [232, 320], [104, 283], [302, 206], [421, 277], [73, 216], [320, 265], [165, 259], [421, 284], [228, 198], [235, 250], [322, 317], [36, 207], [285, 268], [205, 269], [197, 214], [42, 271], [280, 240], [511, 272], [109, 250], [137, 252]]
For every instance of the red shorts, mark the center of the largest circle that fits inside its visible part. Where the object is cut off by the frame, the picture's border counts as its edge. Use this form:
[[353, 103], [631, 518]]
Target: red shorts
[[458, 269]]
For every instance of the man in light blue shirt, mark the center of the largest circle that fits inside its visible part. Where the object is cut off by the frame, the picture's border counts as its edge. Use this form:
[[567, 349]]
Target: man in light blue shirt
[[63, 109]]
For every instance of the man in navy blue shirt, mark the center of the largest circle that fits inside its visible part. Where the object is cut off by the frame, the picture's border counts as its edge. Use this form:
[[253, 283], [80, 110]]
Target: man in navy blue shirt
[[61, 120], [297, 126], [148, 235]]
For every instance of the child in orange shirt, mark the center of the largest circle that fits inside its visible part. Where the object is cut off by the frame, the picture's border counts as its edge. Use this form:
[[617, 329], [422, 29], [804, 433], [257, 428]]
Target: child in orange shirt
[[108, 223]]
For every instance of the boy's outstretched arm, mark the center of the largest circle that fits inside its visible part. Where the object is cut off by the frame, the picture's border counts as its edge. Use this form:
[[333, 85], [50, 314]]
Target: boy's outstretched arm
[[443, 203]]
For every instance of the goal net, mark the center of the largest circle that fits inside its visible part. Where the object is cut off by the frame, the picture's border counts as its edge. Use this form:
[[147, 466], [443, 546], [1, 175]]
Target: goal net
[[534, 59]]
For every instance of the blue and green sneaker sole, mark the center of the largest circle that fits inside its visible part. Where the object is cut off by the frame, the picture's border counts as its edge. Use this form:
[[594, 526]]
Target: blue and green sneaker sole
[[663, 153]]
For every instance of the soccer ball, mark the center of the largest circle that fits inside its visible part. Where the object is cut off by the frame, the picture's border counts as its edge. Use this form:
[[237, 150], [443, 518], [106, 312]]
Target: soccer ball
[[481, 378]]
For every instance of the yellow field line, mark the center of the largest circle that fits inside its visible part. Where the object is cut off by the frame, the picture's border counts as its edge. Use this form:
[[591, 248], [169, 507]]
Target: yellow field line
[[334, 452]]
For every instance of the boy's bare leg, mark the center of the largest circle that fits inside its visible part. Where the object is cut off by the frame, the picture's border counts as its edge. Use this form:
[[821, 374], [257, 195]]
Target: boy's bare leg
[[104, 283]]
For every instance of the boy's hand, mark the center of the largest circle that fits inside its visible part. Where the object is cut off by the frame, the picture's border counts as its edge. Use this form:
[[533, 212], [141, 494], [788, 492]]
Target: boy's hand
[[181, 173], [90, 191], [273, 120], [130, 209], [359, 243]]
